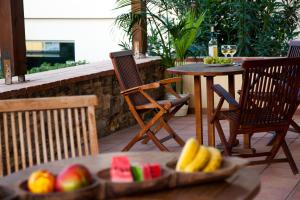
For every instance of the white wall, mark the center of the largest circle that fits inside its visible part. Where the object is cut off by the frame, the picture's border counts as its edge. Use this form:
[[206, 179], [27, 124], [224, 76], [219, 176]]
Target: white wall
[[89, 23]]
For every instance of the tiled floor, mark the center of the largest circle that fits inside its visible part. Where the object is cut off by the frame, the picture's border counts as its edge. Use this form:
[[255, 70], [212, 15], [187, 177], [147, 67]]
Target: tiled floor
[[277, 180]]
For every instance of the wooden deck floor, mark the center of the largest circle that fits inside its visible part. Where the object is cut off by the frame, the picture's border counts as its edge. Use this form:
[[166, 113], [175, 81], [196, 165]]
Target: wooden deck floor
[[277, 180]]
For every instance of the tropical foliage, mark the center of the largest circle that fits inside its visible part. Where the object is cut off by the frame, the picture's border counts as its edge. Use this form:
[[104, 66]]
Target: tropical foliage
[[259, 28]]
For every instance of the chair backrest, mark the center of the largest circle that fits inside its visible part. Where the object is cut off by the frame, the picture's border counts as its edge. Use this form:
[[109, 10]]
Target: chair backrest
[[294, 49], [269, 91], [127, 74], [41, 130]]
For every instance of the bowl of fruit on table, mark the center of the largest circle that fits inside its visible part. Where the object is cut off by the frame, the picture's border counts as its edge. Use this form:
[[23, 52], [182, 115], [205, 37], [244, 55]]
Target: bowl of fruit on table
[[200, 164], [124, 178], [72, 183], [218, 61]]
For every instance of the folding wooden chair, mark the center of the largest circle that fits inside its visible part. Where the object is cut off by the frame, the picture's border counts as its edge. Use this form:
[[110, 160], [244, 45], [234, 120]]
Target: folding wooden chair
[[41, 130], [268, 102], [294, 52], [139, 101]]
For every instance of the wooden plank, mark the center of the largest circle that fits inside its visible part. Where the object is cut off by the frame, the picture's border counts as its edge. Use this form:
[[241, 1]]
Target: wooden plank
[[77, 127], [50, 135], [43, 133], [28, 136], [71, 132], [64, 132], [47, 103], [7, 144], [92, 131], [84, 131], [57, 136], [14, 141], [21, 135], [36, 137]]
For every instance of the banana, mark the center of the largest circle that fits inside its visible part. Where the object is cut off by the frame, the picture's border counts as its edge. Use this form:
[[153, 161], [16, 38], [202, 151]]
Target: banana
[[201, 159], [188, 154], [215, 160]]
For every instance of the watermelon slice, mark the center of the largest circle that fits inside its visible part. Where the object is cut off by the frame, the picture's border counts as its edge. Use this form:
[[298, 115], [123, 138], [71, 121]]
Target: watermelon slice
[[120, 169], [137, 172], [147, 172], [155, 170]]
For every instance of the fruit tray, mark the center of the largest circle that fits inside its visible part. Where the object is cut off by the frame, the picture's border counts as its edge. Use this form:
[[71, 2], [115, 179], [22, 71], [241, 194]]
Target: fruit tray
[[170, 179], [119, 189], [103, 188], [89, 192], [229, 166]]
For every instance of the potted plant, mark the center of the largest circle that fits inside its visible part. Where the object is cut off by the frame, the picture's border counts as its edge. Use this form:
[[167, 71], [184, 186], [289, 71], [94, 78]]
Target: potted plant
[[183, 36]]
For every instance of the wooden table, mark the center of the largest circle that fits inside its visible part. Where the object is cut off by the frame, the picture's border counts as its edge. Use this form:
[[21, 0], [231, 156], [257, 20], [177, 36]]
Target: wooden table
[[197, 70], [244, 184]]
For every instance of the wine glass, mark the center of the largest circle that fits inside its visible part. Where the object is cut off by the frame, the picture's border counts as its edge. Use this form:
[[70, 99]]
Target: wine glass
[[225, 50], [232, 49]]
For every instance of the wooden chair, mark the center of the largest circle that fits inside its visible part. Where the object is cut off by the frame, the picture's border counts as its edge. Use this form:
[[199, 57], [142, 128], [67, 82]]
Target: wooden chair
[[139, 101], [274, 85], [293, 52], [41, 130]]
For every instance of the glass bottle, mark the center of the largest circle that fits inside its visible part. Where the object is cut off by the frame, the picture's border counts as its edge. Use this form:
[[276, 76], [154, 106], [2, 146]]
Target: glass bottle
[[213, 44]]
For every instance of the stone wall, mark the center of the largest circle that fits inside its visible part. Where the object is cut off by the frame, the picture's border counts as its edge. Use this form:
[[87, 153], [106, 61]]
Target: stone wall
[[112, 113]]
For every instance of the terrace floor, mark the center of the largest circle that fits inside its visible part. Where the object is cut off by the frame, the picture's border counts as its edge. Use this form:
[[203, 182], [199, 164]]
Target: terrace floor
[[277, 180]]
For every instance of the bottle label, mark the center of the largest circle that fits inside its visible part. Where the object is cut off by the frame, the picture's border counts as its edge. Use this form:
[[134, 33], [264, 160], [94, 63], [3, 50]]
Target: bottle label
[[213, 51]]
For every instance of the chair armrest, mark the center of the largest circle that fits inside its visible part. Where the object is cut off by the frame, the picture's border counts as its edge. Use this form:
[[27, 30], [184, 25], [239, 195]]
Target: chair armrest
[[170, 80], [140, 88], [223, 93]]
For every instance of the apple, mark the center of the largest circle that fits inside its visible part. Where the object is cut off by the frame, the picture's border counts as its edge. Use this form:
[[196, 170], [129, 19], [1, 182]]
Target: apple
[[41, 182], [73, 178]]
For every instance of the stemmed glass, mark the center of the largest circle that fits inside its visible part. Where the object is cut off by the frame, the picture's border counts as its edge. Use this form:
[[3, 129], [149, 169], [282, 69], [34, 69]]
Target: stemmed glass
[[225, 50], [232, 49]]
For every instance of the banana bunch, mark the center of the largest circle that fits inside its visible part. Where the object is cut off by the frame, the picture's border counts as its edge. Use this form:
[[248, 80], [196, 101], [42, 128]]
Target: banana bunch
[[195, 157]]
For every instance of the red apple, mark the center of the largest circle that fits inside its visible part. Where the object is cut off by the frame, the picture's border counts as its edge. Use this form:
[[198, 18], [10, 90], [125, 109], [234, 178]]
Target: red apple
[[73, 178]]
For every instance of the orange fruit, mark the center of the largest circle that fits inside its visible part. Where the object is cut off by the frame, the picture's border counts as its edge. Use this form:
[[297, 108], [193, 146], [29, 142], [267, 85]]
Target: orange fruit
[[41, 182]]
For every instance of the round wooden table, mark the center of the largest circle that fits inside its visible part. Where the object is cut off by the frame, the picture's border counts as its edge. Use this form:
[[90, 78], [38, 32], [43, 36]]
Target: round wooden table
[[244, 184], [197, 70]]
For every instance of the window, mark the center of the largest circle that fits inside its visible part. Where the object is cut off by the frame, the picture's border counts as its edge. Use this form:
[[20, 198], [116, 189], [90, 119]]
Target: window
[[38, 52]]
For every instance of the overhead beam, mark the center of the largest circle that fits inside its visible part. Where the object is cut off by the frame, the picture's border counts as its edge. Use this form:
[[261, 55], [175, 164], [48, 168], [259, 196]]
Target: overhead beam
[[140, 30], [12, 35]]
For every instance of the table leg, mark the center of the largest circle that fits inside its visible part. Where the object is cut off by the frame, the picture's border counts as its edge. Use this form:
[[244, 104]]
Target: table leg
[[198, 109], [210, 110], [231, 89]]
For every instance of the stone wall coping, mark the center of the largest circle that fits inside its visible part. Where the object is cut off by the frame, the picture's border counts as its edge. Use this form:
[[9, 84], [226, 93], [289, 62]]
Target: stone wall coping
[[60, 77]]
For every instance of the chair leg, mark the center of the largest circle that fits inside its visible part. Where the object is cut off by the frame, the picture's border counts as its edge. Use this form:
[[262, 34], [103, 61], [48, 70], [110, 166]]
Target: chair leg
[[146, 130], [278, 141], [227, 148], [172, 133], [166, 119], [289, 156], [247, 141], [295, 126]]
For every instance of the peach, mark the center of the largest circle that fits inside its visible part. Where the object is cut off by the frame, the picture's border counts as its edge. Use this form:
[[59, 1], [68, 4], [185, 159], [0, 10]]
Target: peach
[[41, 182], [73, 178]]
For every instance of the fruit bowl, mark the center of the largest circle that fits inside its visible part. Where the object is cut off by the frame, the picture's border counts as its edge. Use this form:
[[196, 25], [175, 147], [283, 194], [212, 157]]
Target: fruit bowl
[[7, 194], [88, 192], [228, 167], [118, 189]]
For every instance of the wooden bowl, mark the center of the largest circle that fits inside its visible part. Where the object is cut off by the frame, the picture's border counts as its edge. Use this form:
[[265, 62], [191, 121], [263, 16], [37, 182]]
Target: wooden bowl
[[7, 193], [88, 192], [119, 189], [228, 167]]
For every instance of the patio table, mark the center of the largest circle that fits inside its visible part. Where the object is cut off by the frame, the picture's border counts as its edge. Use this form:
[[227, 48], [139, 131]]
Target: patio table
[[197, 70], [244, 184]]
